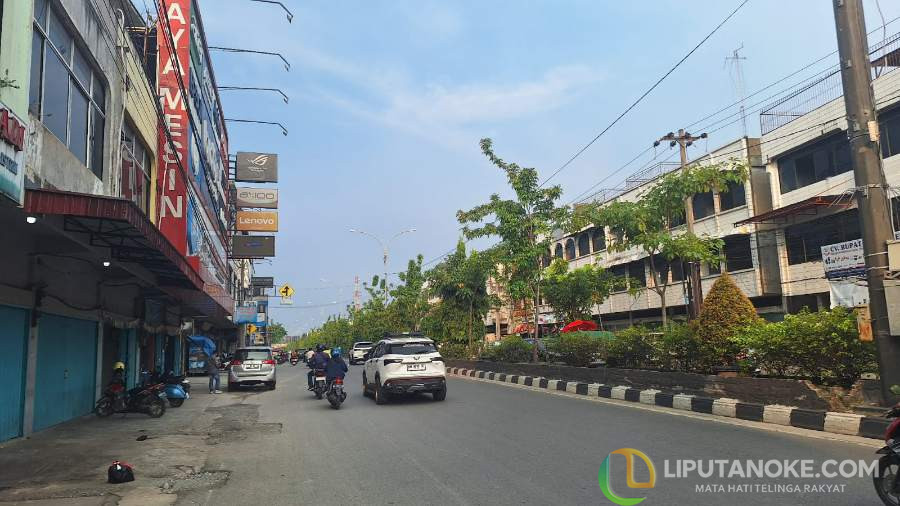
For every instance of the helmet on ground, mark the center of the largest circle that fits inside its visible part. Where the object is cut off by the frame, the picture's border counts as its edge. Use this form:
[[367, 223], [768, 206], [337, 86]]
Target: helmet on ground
[[119, 365], [320, 347], [336, 352]]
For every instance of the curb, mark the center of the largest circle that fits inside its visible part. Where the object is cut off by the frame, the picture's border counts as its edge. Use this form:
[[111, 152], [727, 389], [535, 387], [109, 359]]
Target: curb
[[826, 421]]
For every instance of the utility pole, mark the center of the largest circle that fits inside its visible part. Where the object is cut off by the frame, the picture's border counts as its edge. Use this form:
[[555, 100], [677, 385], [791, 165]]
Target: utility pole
[[695, 291], [871, 186]]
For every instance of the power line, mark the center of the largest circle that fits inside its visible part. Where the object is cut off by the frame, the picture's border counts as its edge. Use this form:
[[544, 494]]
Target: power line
[[636, 102]]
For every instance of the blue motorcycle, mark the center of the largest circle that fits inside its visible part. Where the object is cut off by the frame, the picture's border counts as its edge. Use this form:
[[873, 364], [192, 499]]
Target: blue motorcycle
[[177, 388]]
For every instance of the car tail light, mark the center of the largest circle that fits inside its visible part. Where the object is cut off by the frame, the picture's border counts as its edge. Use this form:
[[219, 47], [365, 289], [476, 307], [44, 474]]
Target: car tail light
[[437, 359], [338, 381], [892, 428], [269, 362], [393, 361], [235, 362]]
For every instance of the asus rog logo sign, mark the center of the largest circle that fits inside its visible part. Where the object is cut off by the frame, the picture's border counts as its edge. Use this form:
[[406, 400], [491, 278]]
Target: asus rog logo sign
[[257, 167]]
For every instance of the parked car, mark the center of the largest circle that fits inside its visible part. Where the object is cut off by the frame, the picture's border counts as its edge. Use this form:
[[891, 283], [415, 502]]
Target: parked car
[[252, 365], [404, 365], [358, 352]]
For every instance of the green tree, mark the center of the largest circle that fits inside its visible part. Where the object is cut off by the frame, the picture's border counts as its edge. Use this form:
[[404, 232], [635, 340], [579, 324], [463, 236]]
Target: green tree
[[522, 224], [646, 224], [725, 311], [572, 293], [276, 332], [460, 282], [410, 300]]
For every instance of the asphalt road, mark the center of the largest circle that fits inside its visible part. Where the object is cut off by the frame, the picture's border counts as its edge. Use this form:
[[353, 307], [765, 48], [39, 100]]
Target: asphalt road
[[491, 444]]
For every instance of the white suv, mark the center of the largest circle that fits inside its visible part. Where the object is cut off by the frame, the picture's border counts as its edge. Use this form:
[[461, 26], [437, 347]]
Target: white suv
[[358, 353], [400, 365]]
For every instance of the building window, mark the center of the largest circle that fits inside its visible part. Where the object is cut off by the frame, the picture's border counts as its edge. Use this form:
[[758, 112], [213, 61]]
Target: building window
[[135, 175], [677, 268], [677, 220], [737, 253], [732, 197], [703, 205], [637, 275], [558, 252], [804, 241], [890, 133], [895, 213], [620, 271], [584, 244], [570, 249], [713, 269], [826, 158], [598, 239], [66, 93]]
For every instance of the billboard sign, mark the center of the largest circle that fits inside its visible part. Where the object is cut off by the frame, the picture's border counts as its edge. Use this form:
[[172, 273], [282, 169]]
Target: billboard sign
[[12, 156], [245, 314], [252, 246], [257, 221], [262, 281], [256, 167], [264, 198], [844, 259]]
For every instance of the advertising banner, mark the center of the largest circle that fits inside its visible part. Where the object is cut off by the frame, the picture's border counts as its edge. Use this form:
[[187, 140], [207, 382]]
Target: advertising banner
[[256, 167], [252, 246], [263, 198], [263, 281], [257, 221], [12, 156], [844, 259], [172, 184], [245, 314]]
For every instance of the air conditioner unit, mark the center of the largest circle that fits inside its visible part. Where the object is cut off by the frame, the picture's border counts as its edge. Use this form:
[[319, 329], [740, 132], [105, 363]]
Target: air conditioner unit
[[894, 256]]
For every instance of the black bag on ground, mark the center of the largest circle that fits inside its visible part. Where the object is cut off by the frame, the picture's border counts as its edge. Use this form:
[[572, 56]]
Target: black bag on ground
[[119, 472]]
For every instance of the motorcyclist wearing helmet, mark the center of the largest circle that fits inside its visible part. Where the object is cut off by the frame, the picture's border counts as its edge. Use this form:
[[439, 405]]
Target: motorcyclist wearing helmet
[[319, 361], [336, 367]]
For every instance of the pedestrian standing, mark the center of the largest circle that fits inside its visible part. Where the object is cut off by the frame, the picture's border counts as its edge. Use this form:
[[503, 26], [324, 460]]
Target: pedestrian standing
[[212, 368]]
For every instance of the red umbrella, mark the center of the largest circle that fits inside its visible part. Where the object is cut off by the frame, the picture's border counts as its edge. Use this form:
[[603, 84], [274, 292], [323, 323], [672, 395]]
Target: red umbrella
[[579, 325]]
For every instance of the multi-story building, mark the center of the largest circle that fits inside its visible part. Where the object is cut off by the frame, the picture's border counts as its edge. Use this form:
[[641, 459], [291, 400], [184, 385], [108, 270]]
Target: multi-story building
[[747, 251], [114, 212]]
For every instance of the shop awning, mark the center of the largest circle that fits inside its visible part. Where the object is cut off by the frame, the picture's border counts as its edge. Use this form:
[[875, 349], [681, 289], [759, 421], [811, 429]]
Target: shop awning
[[808, 207], [119, 225]]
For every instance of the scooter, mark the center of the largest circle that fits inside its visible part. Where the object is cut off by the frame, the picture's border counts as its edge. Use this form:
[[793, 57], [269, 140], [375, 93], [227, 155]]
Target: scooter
[[149, 399], [887, 479], [319, 383], [295, 360], [336, 394], [177, 389]]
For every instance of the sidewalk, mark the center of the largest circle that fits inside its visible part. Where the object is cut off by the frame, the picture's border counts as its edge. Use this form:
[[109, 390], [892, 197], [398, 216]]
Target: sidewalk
[[67, 464]]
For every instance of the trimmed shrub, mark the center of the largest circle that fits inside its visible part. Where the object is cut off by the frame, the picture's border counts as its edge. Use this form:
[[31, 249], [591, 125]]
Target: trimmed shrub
[[576, 348], [510, 349], [632, 347], [677, 348], [725, 311], [823, 346]]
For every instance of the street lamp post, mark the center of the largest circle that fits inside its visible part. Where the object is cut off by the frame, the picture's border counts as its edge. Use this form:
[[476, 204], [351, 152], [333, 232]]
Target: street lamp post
[[384, 249]]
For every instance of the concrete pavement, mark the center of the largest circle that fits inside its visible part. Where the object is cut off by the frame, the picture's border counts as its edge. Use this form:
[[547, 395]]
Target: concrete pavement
[[491, 444]]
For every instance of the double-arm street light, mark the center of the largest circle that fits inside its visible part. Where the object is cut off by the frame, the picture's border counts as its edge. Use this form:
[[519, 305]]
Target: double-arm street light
[[384, 248]]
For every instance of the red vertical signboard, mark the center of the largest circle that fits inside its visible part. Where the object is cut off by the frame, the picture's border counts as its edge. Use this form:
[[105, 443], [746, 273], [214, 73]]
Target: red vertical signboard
[[172, 186]]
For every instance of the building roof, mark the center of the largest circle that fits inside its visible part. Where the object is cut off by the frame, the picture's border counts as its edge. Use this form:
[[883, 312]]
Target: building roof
[[807, 207]]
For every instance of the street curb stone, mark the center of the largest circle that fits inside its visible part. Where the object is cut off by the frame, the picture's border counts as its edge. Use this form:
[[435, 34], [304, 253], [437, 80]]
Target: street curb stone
[[813, 419]]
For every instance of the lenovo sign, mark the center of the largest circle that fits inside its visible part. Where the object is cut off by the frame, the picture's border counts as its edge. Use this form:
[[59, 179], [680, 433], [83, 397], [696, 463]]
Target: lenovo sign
[[256, 167], [257, 221], [263, 198], [252, 246]]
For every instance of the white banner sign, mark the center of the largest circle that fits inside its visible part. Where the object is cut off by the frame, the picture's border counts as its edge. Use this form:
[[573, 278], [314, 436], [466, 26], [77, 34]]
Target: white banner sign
[[844, 259]]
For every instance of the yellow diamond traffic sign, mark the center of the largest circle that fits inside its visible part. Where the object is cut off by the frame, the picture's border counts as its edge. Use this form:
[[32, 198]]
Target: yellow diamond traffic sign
[[251, 328], [286, 290]]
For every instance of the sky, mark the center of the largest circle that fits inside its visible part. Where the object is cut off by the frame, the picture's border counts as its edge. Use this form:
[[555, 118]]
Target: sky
[[388, 101]]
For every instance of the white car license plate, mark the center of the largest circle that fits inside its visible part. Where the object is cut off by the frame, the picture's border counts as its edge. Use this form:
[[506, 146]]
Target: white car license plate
[[251, 366], [320, 378], [415, 367]]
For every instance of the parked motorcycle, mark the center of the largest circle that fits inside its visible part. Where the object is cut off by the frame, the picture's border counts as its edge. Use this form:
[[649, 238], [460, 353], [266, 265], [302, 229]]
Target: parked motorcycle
[[319, 383], [887, 479], [336, 394], [177, 389], [295, 360], [149, 399]]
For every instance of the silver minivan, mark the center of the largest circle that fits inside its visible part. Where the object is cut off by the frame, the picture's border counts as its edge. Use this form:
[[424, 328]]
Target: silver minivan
[[252, 365]]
